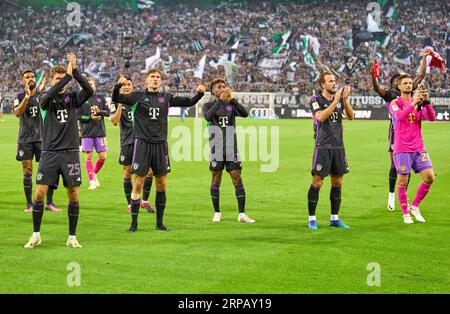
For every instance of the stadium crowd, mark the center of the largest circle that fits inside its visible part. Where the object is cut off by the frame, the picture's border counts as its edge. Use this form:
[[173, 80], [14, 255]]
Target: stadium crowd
[[33, 37]]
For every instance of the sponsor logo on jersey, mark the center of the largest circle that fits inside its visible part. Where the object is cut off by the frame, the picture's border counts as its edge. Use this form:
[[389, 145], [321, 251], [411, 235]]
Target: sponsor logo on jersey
[[62, 115], [223, 121], [153, 113]]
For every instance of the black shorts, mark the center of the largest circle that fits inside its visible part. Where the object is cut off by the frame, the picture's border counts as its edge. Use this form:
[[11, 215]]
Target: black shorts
[[56, 163], [150, 155], [329, 162], [126, 154], [26, 151], [230, 161]]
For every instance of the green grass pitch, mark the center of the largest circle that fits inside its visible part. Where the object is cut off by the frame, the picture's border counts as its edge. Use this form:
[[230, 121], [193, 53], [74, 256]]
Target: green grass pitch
[[277, 254]]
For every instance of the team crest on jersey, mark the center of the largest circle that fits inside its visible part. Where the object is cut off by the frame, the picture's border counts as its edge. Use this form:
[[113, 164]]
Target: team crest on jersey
[[122, 158], [339, 105], [39, 176], [67, 99], [319, 167], [161, 99], [99, 100], [403, 168], [135, 166], [21, 153]]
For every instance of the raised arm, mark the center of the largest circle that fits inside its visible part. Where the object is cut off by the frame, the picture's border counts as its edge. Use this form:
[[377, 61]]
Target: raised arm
[[376, 85], [86, 90], [186, 101], [44, 100], [115, 117], [423, 69], [127, 99]]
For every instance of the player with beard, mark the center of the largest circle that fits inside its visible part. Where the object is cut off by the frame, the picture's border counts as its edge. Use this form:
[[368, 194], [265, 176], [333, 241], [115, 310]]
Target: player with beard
[[409, 150], [26, 108], [388, 95], [329, 157]]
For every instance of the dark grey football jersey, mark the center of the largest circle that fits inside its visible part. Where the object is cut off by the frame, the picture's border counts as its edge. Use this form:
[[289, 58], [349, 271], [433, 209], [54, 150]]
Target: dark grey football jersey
[[327, 134]]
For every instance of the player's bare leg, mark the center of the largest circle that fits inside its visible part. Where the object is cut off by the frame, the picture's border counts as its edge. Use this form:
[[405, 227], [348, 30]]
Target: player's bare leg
[[215, 194], [335, 201], [146, 192], [428, 179], [136, 202], [38, 212], [240, 195], [160, 201], [313, 198], [73, 211]]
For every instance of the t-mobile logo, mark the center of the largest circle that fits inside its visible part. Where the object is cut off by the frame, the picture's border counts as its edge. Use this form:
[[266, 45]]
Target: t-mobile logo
[[154, 113], [33, 111], [62, 115], [223, 121]]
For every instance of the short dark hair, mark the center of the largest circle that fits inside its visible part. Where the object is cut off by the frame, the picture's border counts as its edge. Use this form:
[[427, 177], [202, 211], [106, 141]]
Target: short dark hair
[[215, 82], [402, 77], [57, 69], [394, 77], [27, 71], [321, 78], [151, 71]]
